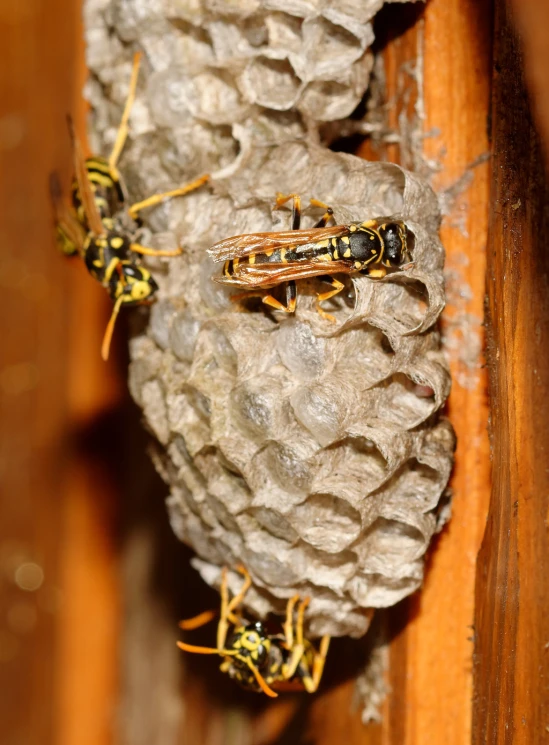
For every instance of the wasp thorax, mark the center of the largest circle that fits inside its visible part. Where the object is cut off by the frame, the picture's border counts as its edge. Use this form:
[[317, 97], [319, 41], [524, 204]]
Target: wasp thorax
[[118, 242], [365, 244], [394, 240]]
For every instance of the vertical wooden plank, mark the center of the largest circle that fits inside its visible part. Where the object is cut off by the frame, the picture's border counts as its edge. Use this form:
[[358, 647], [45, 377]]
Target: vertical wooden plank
[[58, 629], [447, 55], [442, 63], [456, 87], [512, 602], [36, 86]]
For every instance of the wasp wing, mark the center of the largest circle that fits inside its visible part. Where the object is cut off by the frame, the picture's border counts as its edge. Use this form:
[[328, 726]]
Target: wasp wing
[[70, 232], [86, 193], [270, 275], [250, 243]]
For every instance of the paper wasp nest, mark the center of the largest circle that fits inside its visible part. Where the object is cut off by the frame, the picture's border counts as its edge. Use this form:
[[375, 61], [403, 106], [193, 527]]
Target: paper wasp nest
[[311, 452]]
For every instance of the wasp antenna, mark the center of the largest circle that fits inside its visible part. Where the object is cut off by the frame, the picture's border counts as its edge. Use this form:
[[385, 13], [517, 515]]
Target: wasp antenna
[[197, 650], [194, 623], [261, 680], [123, 126], [105, 347]]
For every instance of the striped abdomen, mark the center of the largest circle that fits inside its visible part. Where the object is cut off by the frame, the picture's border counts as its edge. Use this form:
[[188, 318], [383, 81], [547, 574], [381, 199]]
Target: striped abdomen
[[328, 250]]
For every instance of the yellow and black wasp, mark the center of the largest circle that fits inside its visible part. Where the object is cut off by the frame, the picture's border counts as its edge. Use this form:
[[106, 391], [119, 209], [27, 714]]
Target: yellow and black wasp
[[102, 237], [260, 261], [257, 660]]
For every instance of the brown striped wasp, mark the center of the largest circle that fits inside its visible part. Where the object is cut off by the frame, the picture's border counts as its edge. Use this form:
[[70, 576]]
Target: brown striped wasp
[[102, 237], [257, 660], [261, 261]]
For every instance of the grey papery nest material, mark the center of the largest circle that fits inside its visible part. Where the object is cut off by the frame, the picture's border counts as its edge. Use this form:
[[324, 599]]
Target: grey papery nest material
[[313, 453]]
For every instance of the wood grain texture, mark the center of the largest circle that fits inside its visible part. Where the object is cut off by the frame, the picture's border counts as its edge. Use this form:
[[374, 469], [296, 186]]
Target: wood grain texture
[[36, 87], [58, 644], [456, 86], [512, 604], [430, 674], [38, 82]]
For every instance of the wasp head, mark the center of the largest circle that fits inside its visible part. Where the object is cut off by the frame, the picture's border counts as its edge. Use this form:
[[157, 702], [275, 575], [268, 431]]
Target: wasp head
[[252, 643], [133, 283], [393, 235]]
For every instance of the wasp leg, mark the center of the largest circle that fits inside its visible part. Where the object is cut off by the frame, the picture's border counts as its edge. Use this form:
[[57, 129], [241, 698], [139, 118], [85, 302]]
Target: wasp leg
[[327, 295], [311, 682], [297, 647], [326, 217], [227, 608], [281, 200], [239, 597], [145, 251], [223, 626], [291, 299], [157, 198], [122, 133], [289, 623], [377, 272]]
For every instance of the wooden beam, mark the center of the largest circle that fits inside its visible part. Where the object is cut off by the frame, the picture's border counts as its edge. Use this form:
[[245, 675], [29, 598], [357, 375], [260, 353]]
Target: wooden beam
[[36, 88], [512, 602], [456, 88], [445, 58]]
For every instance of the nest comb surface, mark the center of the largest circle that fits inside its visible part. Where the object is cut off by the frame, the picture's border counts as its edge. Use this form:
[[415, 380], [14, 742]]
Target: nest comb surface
[[309, 451], [313, 453], [214, 68]]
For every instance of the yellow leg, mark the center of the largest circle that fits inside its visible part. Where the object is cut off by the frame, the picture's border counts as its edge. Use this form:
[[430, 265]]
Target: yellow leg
[[228, 608], [281, 200], [299, 623], [297, 647], [239, 597], [123, 126], [289, 624], [326, 296], [291, 298], [223, 626], [274, 303], [157, 198], [139, 249], [326, 217], [318, 203], [311, 683], [377, 272]]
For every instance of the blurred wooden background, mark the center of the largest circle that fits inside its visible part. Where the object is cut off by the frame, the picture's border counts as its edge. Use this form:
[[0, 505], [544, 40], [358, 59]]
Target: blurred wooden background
[[91, 579]]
